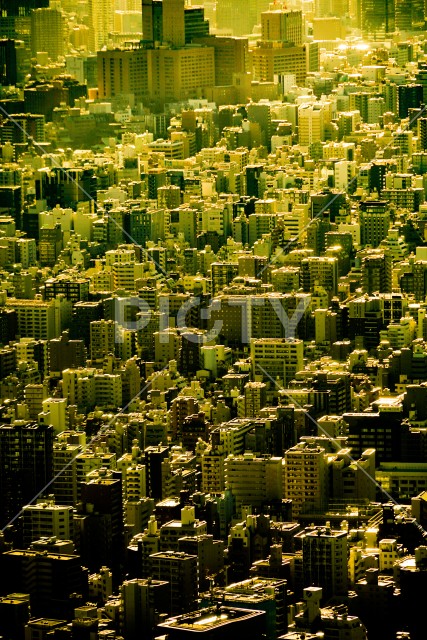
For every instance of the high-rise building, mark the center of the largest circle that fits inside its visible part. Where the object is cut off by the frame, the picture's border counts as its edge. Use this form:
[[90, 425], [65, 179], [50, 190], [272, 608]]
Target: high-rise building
[[47, 32], [305, 477], [46, 519], [143, 601], [101, 22], [173, 22], [181, 571], [377, 273], [21, 7], [281, 25], [325, 8], [8, 63], [231, 56], [84, 313], [278, 359], [153, 463], [25, 465], [253, 480], [123, 72], [377, 16], [409, 96], [65, 470], [324, 558], [102, 339], [311, 123], [275, 58], [222, 275], [104, 494], [319, 270], [237, 17], [56, 582], [374, 221]]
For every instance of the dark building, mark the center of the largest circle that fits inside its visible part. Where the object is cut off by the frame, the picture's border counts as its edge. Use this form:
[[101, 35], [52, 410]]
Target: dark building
[[181, 571], [14, 615], [8, 325], [11, 198], [8, 68], [22, 127], [377, 16], [137, 225], [21, 7], [66, 188], [43, 98], [154, 457], [8, 361], [261, 114], [382, 431], [377, 604], [193, 428], [66, 354], [83, 314], [253, 173], [26, 466], [327, 203], [56, 583], [412, 580], [194, 23], [74, 289], [409, 96], [103, 527]]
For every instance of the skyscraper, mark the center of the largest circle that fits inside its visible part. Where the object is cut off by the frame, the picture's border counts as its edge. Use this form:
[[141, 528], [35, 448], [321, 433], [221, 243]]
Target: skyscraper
[[47, 32], [173, 22], [101, 20], [377, 16], [8, 67], [21, 7]]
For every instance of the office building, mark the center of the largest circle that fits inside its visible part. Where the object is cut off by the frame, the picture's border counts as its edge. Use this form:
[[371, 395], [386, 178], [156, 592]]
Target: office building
[[22, 7], [55, 582], [46, 519], [8, 63], [252, 480], [181, 571], [277, 359], [123, 73], [324, 557], [377, 16], [278, 58], [25, 465], [374, 219], [311, 123], [305, 478], [143, 602], [47, 32], [101, 22], [102, 339], [282, 25]]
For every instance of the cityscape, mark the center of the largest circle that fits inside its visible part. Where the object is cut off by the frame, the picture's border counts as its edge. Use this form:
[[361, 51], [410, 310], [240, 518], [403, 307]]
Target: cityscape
[[213, 319]]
